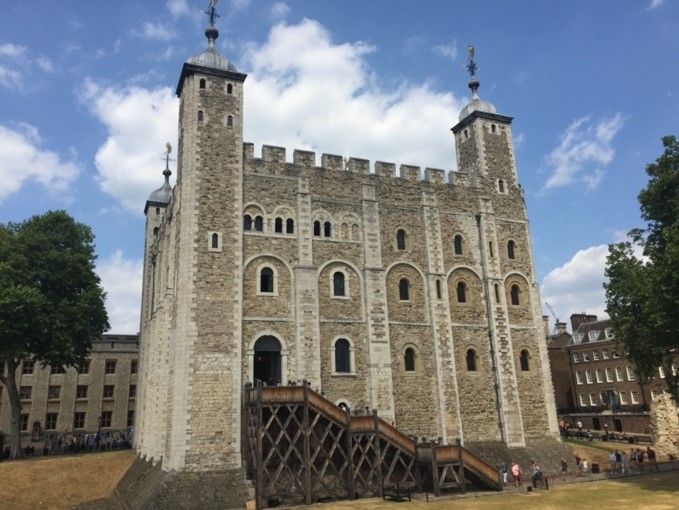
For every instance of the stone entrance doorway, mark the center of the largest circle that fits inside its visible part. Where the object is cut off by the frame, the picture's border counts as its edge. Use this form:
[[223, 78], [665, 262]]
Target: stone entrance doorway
[[267, 361]]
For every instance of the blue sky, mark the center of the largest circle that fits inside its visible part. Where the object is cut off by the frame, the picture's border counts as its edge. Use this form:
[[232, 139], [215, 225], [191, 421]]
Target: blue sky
[[87, 103]]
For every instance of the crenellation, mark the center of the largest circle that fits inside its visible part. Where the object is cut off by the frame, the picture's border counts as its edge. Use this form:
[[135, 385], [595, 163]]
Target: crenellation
[[359, 166], [385, 169], [435, 175], [332, 162], [409, 172], [304, 158], [273, 154]]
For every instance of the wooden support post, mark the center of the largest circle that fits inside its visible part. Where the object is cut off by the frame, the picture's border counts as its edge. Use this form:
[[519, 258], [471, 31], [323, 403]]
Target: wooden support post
[[461, 468], [259, 462], [306, 433], [378, 454], [435, 469], [350, 468]]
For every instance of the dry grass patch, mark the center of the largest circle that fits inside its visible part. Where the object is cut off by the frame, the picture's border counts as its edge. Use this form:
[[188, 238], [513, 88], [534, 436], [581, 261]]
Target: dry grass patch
[[61, 481]]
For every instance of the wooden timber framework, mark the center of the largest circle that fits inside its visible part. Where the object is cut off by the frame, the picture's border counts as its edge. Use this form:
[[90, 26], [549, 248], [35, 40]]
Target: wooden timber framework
[[301, 448]]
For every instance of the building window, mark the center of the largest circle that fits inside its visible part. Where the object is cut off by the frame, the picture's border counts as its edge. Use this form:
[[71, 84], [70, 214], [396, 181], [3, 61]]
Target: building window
[[438, 289], [588, 376], [338, 289], [130, 418], [654, 394], [623, 398], [604, 353], [200, 116], [110, 367], [661, 372], [79, 420], [259, 224], [214, 241], [229, 121], [25, 392], [327, 229], [202, 83], [501, 186], [317, 228], [471, 360], [266, 281], [578, 377], [289, 226], [27, 367], [106, 419], [618, 374], [603, 398], [278, 226], [608, 332], [492, 128], [510, 250], [630, 373], [84, 368], [404, 289], [609, 375], [635, 397], [133, 391], [592, 399], [599, 375], [401, 239], [24, 422], [514, 293], [409, 359], [57, 370], [497, 293], [461, 292], [595, 355], [615, 355], [53, 392], [229, 89], [457, 244], [342, 356], [109, 389], [134, 366], [247, 222], [523, 361], [576, 357], [585, 356], [583, 401], [51, 421], [81, 391], [490, 249]]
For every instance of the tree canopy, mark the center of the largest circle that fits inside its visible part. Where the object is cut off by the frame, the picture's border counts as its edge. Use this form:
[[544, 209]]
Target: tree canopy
[[51, 300], [642, 292]]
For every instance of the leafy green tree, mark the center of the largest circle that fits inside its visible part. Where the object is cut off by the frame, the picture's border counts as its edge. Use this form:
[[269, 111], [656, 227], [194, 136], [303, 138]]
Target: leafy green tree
[[51, 300], [642, 292]]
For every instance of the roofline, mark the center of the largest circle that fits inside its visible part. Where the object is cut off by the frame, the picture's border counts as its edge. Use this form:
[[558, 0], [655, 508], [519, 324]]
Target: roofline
[[188, 69], [482, 115]]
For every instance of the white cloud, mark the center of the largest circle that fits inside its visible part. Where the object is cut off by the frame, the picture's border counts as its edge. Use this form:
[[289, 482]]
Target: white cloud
[[10, 78], [582, 146], [447, 50], [279, 10], [239, 4], [122, 281], [577, 286], [655, 3], [157, 32], [12, 50], [177, 7], [22, 159], [139, 123]]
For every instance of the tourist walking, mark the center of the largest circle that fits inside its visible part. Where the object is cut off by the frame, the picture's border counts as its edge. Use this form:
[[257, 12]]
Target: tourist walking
[[516, 473]]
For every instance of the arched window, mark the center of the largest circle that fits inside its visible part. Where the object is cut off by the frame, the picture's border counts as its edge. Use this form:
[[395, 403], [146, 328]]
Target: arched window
[[457, 243], [259, 223], [155, 231], [409, 359], [404, 289], [317, 228], [229, 121], [471, 361], [229, 89], [200, 116], [501, 186], [327, 229], [279, 226], [202, 83], [514, 292], [338, 284], [266, 283], [215, 240], [466, 134], [290, 226], [342, 356], [510, 249], [461, 292], [401, 239], [247, 222], [523, 361], [492, 128]]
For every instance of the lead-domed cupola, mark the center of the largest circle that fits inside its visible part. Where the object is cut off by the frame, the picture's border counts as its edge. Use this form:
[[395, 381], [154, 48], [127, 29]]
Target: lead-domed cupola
[[476, 104], [210, 57]]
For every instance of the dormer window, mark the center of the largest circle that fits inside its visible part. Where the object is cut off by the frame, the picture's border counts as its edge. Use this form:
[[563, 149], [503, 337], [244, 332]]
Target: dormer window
[[609, 333], [594, 335], [577, 338]]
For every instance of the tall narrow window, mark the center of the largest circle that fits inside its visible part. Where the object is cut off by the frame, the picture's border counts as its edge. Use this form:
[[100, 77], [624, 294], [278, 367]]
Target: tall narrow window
[[438, 289], [259, 223], [497, 293], [215, 241], [404, 289], [490, 249], [510, 249], [266, 280], [342, 356], [200, 116], [457, 242], [247, 222], [202, 83], [327, 229], [290, 226], [471, 360], [461, 292], [338, 284], [229, 121], [317, 228], [501, 186], [409, 359], [515, 295], [229, 89], [279, 226], [401, 239], [523, 361]]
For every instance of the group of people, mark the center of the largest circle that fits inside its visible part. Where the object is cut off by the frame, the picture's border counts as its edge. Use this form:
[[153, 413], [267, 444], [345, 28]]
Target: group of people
[[515, 469], [82, 442]]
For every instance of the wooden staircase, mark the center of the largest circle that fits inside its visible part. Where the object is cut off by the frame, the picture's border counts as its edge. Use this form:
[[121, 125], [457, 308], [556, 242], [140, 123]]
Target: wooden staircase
[[301, 448]]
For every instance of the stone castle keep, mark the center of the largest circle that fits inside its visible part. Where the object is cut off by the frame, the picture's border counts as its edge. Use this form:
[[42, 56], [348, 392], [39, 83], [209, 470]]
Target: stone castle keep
[[413, 296]]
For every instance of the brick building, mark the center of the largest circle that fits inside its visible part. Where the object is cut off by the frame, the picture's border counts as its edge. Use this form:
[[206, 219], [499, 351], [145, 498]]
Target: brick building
[[594, 383], [416, 297], [100, 395]]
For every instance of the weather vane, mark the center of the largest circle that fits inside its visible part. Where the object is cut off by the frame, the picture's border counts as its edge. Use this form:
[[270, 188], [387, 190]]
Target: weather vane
[[168, 150], [471, 65], [211, 11]]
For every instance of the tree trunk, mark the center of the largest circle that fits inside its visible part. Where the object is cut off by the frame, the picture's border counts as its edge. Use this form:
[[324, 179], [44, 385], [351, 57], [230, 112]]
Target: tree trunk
[[10, 383]]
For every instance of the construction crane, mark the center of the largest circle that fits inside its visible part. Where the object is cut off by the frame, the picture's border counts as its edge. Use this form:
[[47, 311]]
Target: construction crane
[[556, 319]]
